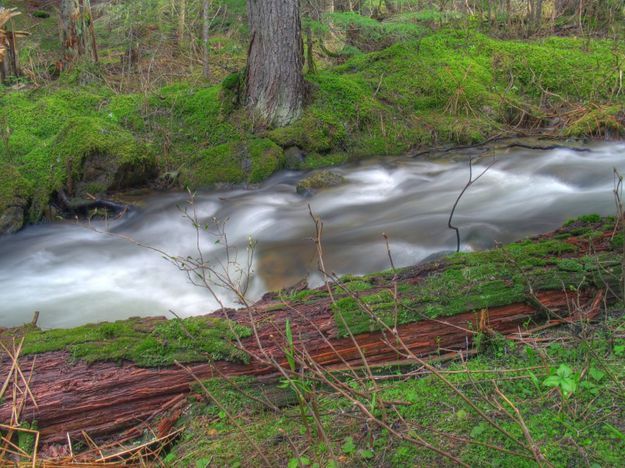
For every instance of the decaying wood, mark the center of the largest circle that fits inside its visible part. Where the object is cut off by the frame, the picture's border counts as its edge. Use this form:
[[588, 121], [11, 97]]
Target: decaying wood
[[107, 398], [8, 44]]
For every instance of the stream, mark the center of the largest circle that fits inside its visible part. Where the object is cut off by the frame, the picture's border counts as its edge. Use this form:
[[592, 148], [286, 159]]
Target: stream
[[74, 274]]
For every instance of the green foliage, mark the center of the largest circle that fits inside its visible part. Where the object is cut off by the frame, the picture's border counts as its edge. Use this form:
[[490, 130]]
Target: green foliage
[[372, 32], [53, 134], [194, 339], [563, 379]]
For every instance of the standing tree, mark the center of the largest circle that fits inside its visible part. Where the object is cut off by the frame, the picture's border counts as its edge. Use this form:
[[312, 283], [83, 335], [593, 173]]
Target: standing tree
[[274, 84], [70, 16], [8, 52], [77, 32], [205, 28]]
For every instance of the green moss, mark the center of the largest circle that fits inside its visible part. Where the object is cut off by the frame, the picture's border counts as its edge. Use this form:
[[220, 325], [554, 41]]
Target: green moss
[[618, 241], [248, 161], [475, 281], [14, 189], [193, 339]]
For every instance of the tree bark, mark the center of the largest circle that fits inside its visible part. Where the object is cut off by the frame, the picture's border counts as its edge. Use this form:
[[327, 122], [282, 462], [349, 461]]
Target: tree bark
[[70, 16], [275, 87], [182, 20]]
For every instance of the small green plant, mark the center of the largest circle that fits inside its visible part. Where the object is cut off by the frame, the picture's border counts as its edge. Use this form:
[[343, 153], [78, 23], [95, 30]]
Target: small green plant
[[297, 462], [564, 379]]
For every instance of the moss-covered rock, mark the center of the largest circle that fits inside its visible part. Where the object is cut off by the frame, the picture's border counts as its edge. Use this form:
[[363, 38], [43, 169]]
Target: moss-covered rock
[[249, 161], [14, 193], [60, 141], [319, 180]]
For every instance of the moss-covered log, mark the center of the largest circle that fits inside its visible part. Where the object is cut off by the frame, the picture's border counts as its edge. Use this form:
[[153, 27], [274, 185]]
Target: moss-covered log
[[441, 307]]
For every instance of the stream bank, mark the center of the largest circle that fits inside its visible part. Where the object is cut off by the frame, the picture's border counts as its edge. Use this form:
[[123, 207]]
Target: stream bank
[[442, 306]]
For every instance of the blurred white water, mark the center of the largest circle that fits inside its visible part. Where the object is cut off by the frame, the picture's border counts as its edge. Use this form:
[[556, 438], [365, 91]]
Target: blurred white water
[[74, 275]]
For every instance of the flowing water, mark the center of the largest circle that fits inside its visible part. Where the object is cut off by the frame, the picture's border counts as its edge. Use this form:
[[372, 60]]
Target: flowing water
[[75, 275]]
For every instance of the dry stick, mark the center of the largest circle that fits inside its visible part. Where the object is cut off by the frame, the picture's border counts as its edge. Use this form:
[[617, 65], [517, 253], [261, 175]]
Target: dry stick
[[121, 454], [19, 371], [12, 369], [318, 232], [364, 362], [466, 187], [478, 442], [540, 458], [69, 445], [226, 412]]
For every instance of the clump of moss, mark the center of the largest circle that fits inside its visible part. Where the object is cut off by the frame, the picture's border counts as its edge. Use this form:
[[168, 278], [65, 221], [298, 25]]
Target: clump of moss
[[604, 121], [193, 339], [248, 161]]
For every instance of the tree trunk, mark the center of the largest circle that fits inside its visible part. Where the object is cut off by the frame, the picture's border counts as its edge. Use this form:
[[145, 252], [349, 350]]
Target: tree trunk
[[89, 39], [342, 5], [390, 6], [539, 14], [182, 20], [275, 86], [70, 16], [310, 56], [205, 25]]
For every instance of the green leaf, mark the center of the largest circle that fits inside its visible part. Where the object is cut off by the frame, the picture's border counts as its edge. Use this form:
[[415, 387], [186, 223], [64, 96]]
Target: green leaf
[[534, 380], [366, 454], [614, 431], [564, 371], [478, 430], [348, 446], [553, 381], [568, 386], [596, 374], [203, 462]]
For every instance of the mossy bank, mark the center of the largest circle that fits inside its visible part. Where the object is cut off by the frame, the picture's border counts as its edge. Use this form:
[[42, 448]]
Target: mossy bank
[[448, 87]]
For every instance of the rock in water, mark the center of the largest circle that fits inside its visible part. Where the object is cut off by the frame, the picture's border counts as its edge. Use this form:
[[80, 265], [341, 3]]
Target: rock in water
[[11, 220], [319, 180]]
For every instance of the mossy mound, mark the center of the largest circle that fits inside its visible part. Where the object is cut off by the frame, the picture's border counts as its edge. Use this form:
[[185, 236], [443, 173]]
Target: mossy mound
[[248, 161], [60, 141], [452, 87], [146, 342], [444, 87]]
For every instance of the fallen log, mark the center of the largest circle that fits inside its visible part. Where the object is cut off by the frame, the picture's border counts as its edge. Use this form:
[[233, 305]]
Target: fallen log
[[103, 398]]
